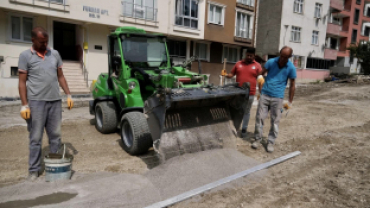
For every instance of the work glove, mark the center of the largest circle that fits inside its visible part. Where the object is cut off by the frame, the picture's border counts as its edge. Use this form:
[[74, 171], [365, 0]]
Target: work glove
[[223, 72], [258, 96], [287, 105], [69, 102], [260, 81], [25, 112]]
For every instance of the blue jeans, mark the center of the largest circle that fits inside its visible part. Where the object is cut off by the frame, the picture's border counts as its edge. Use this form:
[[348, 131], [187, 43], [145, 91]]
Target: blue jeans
[[247, 112], [44, 115]]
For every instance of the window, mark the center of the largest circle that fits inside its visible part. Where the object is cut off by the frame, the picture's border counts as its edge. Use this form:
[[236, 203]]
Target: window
[[358, 2], [298, 61], [14, 71], [216, 14], [187, 13], [357, 16], [315, 37], [247, 2], [354, 36], [318, 10], [332, 43], [315, 63], [231, 54], [202, 51], [336, 21], [20, 28], [242, 25], [296, 34], [367, 31], [298, 6], [176, 48], [56, 1], [141, 9]]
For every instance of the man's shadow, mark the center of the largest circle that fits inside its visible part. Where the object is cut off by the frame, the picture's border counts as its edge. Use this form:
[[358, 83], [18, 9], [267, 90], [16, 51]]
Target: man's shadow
[[71, 151]]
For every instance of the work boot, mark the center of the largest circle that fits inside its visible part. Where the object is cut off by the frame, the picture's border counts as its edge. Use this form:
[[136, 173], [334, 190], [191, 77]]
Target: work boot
[[270, 147], [32, 176], [256, 144], [244, 133]]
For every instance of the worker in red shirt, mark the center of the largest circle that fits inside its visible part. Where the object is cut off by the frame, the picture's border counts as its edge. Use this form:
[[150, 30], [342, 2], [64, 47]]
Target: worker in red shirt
[[246, 70]]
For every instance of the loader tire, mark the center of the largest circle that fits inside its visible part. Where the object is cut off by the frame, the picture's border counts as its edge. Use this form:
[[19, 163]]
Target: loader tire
[[106, 117], [135, 134]]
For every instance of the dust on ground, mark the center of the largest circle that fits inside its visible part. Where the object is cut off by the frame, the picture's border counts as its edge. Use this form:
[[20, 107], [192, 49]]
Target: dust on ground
[[329, 124]]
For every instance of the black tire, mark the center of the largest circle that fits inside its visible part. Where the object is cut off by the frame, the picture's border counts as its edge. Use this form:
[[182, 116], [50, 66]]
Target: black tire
[[106, 117], [135, 134]]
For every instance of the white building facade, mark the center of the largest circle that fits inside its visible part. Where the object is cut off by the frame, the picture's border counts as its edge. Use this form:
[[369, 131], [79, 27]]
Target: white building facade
[[301, 25], [78, 29]]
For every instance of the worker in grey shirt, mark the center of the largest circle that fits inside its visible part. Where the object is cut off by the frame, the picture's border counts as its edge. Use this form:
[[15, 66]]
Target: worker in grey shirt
[[40, 74]]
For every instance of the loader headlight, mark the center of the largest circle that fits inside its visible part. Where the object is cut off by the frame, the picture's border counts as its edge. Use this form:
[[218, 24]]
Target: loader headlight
[[131, 85]]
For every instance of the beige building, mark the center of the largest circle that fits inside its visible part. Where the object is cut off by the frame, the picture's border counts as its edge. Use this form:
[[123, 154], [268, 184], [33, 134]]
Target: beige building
[[78, 29]]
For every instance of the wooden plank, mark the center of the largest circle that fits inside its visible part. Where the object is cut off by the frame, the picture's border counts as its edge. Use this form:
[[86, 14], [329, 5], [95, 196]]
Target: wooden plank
[[222, 181]]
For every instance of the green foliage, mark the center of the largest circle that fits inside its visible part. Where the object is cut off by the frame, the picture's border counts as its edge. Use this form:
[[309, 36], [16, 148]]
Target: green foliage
[[361, 51]]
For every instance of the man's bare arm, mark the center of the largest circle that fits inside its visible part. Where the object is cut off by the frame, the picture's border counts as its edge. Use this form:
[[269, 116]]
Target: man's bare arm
[[263, 72], [63, 82], [291, 89], [22, 88], [230, 75]]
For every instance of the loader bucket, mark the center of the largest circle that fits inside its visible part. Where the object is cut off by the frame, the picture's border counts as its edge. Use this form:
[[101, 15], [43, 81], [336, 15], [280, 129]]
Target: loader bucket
[[192, 120]]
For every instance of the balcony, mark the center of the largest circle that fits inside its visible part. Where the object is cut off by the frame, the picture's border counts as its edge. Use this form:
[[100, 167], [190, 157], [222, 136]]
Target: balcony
[[337, 4], [56, 5], [333, 29], [139, 14], [244, 36], [330, 54], [245, 4]]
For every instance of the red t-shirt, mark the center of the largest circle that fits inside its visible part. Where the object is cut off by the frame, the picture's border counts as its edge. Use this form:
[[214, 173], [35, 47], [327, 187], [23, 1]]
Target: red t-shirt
[[247, 73]]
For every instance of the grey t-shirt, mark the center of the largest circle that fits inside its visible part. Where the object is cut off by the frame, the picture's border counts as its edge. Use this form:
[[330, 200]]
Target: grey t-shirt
[[42, 75]]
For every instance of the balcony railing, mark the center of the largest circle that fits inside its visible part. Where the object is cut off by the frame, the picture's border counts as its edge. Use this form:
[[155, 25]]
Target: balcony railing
[[139, 11], [330, 54], [333, 29], [337, 4], [243, 33], [246, 4], [61, 5]]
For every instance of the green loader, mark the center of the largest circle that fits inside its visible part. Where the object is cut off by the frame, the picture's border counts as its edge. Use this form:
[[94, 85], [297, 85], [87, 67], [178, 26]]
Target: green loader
[[153, 103]]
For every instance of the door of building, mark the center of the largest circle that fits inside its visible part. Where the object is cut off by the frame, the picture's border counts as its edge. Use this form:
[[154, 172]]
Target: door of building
[[65, 40]]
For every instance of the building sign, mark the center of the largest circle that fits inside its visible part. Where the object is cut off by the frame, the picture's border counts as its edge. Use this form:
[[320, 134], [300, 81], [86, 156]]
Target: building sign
[[95, 12]]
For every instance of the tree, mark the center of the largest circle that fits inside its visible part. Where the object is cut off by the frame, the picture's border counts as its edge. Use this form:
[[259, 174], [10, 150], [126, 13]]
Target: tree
[[361, 51]]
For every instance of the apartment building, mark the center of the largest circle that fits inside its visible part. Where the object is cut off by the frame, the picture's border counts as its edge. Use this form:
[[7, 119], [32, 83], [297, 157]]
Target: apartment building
[[349, 23], [229, 30], [78, 29], [302, 25]]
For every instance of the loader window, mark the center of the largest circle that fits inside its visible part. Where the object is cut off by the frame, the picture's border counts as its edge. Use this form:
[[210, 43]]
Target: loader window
[[150, 51]]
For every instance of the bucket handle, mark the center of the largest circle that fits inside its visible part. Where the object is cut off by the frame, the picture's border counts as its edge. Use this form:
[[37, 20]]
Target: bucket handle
[[64, 151]]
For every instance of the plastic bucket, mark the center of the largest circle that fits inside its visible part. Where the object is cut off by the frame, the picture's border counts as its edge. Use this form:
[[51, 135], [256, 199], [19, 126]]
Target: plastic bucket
[[58, 168]]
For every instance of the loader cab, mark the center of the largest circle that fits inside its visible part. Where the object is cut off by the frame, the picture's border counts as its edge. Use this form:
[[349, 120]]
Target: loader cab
[[144, 51]]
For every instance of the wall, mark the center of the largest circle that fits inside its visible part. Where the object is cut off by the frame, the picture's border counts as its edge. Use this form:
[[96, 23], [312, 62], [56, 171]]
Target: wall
[[94, 29], [113, 17], [308, 23], [269, 26], [10, 51], [212, 31], [98, 59], [306, 75]]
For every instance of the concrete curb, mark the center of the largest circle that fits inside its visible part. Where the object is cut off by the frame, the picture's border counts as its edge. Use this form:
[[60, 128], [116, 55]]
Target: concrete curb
[[15, 106]]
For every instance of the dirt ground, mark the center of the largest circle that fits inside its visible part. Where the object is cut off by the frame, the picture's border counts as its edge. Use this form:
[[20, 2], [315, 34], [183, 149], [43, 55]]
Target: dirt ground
[[329, 124]]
